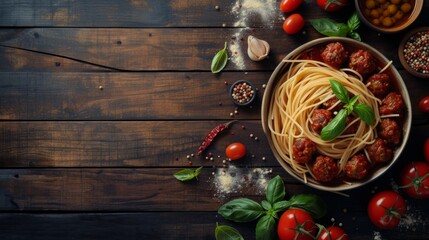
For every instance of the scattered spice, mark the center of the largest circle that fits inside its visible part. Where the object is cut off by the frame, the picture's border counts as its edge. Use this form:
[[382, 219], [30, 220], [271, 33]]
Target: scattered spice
[[416, 52], [211, 135]]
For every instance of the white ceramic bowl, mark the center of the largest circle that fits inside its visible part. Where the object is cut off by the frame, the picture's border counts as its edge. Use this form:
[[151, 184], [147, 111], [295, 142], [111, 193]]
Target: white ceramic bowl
[[282, 68]]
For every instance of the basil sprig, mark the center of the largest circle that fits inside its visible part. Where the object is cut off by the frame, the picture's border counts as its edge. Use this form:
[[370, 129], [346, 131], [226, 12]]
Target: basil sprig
[[331, 28], [337, 125], [219, 60], [187, 174], [247, 210], [225, 232]]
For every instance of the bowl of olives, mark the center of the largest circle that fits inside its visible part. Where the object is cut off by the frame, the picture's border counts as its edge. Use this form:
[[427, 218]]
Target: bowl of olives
[[389, 16]]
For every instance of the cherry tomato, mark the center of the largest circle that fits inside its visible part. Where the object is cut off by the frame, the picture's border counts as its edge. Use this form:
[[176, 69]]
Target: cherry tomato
[[424, 104], [333, 233], [235, 151], [289, 5], [415, 179], [292, 222], [293, 24], [332, 5], [386, 208], [426, 149]]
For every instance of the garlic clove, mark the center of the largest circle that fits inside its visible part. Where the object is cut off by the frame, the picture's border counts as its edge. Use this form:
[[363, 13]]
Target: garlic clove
[[257, 49]]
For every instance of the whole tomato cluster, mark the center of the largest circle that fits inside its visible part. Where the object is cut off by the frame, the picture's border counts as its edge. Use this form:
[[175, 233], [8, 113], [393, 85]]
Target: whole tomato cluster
[[295, 22], [297, 224], [386, 208]]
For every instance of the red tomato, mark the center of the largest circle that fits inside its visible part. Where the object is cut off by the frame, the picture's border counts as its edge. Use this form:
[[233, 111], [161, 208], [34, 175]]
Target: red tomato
[[426, 149], [415, 179], [332, 5], [293, 24], [235, 151], [333, 233], [294, 220], [385, 209], [289, 5], [424, 104]]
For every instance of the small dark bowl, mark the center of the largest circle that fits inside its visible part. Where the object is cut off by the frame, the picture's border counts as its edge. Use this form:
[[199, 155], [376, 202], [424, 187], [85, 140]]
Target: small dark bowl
[[404, 62], [248, 101], [405, 23]]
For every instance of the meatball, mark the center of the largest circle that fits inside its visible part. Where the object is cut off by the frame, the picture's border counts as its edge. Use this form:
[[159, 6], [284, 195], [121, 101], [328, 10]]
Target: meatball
[[379, 84], [352, 128], [331, 102], [357, 167], [303, 150], [334, 55], [362, 62], [324, 168], [379, 152], [389, 130], [392, 104], [320, 118]]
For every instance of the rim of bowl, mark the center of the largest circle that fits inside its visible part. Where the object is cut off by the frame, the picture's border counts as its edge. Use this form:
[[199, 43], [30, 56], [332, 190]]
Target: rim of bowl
[[418, 6], [401, 52], [279, 71], [248, 102]]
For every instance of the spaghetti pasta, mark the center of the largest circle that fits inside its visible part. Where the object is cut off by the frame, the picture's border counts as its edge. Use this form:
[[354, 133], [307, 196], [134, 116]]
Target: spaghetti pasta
[[301, 90]]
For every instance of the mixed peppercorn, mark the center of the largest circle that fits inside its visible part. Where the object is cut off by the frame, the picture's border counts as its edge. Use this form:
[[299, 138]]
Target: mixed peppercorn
[[416, 52], [242, 93]]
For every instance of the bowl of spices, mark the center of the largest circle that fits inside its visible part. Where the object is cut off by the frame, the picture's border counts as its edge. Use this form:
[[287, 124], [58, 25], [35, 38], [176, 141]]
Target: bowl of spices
[[414, 52], [242, 93], [388, 16]]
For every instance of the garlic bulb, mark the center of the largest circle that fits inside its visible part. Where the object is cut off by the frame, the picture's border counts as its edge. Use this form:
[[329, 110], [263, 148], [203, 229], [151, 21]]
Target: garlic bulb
[[257, 49]]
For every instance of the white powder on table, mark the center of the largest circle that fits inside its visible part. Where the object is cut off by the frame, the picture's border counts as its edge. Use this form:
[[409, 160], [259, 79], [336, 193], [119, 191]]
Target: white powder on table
[[233, 180], [245, 11]]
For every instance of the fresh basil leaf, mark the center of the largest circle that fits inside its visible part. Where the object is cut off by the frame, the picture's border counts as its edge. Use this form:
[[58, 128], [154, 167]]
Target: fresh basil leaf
[[335, 126], [329, 27], [353, 22], [219, 60], [225, 232], [266, 228], [365, 113], [187, 174], [281, 206], [275, 190], [340, 91], [355, 36], [266, 205], [241, 210], [350, 105], [311, 203]]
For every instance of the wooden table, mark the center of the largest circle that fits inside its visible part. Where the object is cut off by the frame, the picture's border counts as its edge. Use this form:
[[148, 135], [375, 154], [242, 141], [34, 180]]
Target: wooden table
[[102, 101]]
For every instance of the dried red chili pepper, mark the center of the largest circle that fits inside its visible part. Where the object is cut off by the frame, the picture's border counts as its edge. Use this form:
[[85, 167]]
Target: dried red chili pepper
[[211, 135]]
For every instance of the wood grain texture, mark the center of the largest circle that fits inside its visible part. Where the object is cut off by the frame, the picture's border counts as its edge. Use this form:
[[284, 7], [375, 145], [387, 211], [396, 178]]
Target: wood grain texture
[[154, 49], [137, 13], [123, 96], [124, 143]]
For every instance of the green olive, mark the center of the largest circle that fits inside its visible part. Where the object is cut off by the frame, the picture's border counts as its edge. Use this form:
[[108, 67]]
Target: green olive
[[387, 22], [370, 4], [406, 7], [392, 8]]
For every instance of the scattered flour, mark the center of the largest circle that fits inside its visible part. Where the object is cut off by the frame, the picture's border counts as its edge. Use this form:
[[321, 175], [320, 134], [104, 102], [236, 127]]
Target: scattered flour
[[414, 220], [246, 11], [377, 235], [233, 180]]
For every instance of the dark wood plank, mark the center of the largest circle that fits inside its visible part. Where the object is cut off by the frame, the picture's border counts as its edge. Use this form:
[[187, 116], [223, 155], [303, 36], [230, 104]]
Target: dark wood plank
[[125, 96], [154, 49], [128, 143], [169, 225], [138, 144], [139, 96], [140, 13]]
